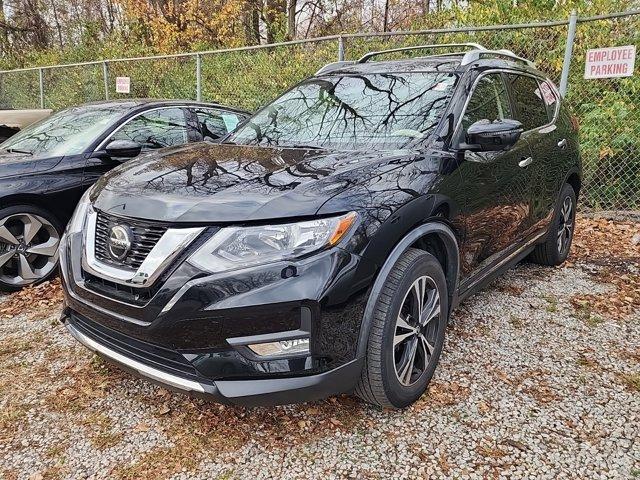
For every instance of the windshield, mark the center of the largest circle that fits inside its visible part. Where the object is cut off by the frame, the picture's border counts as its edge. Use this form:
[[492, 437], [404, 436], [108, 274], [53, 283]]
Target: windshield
[[67, 132], [352, 112]]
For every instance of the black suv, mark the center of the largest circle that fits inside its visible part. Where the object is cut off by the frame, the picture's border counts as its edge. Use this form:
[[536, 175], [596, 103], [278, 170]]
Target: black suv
[[321, 246], [45, 168]]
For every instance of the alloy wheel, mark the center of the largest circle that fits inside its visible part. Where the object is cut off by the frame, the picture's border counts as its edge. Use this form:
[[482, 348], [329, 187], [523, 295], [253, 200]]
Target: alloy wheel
[[565, 226], [416, 331], [28, 249]]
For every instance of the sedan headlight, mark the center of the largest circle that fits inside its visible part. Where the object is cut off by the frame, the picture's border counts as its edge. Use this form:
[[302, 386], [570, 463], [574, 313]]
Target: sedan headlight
[[76, 224], [238, 247]]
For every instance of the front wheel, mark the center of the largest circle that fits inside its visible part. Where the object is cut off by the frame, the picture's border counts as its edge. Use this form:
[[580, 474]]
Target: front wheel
[[555, 249], [407, 332], [29, 239]]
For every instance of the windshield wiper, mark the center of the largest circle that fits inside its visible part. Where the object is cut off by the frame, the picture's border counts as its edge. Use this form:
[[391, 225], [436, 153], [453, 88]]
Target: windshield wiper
[[17, 150], [305, 147]]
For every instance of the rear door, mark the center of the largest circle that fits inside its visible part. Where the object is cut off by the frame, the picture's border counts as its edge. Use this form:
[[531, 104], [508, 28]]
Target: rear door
[[535, 105], [495, 186], [156, 128]]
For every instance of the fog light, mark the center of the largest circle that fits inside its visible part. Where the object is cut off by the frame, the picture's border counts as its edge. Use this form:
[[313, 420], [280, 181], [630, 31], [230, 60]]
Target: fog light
[[299, 346]]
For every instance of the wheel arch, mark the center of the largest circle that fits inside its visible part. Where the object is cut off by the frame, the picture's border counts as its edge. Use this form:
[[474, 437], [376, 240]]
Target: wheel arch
[[43, 202], [436, 238], [573, 178]]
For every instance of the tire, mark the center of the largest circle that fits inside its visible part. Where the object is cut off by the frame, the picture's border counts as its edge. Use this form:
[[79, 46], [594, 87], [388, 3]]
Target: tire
[[384, 380], [29, 239], [551, 252]]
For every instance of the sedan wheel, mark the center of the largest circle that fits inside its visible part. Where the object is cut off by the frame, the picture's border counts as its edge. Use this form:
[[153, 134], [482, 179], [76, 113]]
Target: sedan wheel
[[28, 249]]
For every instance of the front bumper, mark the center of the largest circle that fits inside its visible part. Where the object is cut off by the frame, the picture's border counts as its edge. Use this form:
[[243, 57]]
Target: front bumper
[[191, 335], [263, 392]]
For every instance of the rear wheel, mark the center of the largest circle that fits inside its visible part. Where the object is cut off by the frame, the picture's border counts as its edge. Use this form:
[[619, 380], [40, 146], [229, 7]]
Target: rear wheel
[[29, 239], [407, 332], [555, 249]]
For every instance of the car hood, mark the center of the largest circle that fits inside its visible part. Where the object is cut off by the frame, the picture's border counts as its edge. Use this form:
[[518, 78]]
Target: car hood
[[14, 163], [220, 183]]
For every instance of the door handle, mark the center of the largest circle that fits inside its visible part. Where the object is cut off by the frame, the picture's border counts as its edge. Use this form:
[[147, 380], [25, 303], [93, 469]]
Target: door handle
[[562, 143], [525, 162]]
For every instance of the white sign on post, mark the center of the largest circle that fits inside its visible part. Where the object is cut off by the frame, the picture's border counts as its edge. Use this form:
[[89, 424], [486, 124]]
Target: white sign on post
[[123, 84], [610, 62]]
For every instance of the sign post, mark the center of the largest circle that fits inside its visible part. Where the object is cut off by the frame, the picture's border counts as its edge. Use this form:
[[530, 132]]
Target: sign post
[[123, 84], [611, 62]]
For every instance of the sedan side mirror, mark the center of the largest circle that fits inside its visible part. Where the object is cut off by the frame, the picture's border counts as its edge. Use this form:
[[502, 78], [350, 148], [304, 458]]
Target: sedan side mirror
[[123, 149], [488, 136]]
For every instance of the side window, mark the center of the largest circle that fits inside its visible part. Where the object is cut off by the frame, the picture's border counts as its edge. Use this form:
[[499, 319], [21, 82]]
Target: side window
[[489, 101], [165, 127], [215, 124], [530, 106]]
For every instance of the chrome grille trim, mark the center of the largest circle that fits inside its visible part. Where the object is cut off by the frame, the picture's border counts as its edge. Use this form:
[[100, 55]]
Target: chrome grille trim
[[146, 236], [168, 247]]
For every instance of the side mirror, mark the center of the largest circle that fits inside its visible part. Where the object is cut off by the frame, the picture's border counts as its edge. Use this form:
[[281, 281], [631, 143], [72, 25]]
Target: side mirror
[[123, 149], [488, 136]]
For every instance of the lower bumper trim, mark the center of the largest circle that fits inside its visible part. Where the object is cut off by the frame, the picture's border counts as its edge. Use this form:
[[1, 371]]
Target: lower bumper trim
[[251, 392], [144, 370]]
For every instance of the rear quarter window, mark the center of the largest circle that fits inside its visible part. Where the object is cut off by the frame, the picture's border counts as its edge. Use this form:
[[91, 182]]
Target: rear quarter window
[[215, 124]]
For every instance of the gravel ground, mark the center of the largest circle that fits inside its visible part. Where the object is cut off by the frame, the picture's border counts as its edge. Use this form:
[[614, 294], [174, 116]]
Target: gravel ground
[[529, 386]]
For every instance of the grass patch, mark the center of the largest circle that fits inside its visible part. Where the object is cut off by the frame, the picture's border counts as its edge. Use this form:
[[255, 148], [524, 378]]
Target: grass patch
[[516, 322], [584, 312], [552, 303], [632, 381]]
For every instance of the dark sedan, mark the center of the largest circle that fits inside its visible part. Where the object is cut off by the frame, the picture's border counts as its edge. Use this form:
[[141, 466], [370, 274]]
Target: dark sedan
[[45, 168]]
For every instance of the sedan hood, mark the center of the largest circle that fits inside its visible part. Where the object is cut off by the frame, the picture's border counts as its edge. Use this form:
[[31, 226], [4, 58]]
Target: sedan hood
[[223, 183], [15, 163]]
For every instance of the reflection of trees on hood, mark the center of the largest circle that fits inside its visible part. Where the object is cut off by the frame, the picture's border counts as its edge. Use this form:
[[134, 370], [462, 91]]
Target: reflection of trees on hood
[[205, 168]]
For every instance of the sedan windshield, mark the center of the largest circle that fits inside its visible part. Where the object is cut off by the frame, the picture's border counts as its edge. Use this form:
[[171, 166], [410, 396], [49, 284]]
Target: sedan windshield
[[67, 132], [352, 112]]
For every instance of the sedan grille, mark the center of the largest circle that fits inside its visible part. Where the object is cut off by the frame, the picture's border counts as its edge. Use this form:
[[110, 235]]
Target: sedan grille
[[145, 237]]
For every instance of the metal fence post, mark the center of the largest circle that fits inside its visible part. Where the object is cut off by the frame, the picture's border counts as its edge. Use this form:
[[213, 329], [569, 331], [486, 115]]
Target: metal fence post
[[105, 79], [340, 48], [198, 77], [41, 81], [568, 52]]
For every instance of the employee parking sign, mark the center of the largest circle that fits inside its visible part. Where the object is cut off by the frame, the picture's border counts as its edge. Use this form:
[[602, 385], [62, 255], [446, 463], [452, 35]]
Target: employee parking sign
[[610, 62]]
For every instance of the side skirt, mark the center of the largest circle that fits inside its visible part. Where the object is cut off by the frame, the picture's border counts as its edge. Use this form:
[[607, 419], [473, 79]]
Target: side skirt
[[482, 279]]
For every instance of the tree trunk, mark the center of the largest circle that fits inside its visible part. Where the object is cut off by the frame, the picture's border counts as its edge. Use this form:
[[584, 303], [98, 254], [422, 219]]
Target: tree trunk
[[57, 22], [291, 19], [385, 24]]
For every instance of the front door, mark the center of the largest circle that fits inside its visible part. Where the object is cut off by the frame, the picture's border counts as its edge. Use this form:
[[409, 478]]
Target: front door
[[496, 200]]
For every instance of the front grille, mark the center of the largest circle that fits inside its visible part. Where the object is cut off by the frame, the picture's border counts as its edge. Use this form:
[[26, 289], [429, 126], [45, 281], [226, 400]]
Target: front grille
[[145, 237]]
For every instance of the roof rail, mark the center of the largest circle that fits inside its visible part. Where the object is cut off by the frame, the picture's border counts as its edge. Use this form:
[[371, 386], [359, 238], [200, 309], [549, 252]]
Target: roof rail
[[370, 55], [474, 55], [330, 67]]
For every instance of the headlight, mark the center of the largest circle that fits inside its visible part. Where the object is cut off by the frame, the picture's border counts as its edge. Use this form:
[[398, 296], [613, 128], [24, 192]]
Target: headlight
[[237, 247], [76, 224]]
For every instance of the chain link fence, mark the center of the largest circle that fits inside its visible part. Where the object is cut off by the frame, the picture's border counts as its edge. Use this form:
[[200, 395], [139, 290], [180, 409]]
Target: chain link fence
[[608, 110]]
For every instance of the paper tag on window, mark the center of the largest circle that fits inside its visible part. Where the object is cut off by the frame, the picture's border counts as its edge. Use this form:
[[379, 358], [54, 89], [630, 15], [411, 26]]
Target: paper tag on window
[[547, 94]]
